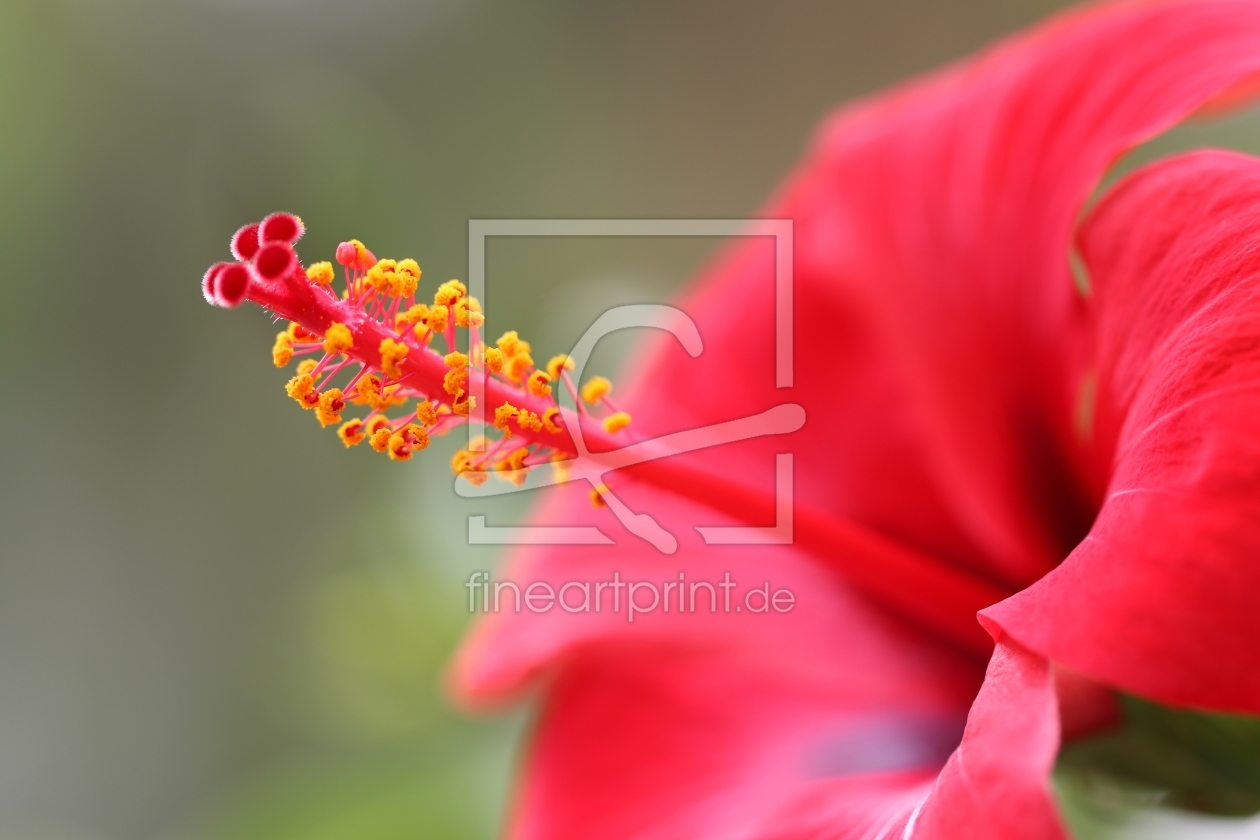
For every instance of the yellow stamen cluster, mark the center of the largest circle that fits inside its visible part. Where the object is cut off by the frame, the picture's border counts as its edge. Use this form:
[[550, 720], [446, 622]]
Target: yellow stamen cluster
[[426, 413], [394, 279], [528, 421], [338, 339], [502, 415], [415, 318], [383, 372], [328, 409], [392, 355], [538, 384], [517, 361], [321, 273], [406, 441], [302, 389], [466, 463], [439, 318], [512, 468], [558, 364], [616, 422], [468, 313], [352, 432], [494, 360], [595, 389], [282, 350], [449, 292]]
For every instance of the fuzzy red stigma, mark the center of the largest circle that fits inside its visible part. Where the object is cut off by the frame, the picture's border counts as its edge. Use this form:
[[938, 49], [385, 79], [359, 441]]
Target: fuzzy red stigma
[[275, 260], [225, 284], [281, 227], [245, 243]]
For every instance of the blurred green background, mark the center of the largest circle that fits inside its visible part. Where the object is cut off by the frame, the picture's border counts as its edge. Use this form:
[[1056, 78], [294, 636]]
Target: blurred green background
[[215, 622]]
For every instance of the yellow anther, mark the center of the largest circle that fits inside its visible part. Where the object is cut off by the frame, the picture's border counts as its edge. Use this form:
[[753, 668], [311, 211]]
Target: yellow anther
[[510, 342], [616, 422], [321, 273], [597, 496], [417, 314], [529, 421], [302, 389], [409, 267], [360, 251], [402, 285], [538, 384], [449, 292], [549, 420], [462, 404], [438, 318], [454, 381], [426, 413], [558, 363], [516, 460], [561, 469], [330, 406], [391, 397], [512, 468], [406, 442], [494, 359], [503, 414], [382, 275], [380, 439], [405, 279], [297, 332], [519, 366], [376, 423], [305, 367], [352, 432], [456, 360], [596, 389], [392, 354], [463, 463], [338, 339], [282, 350], [367, 390], [468, 313]]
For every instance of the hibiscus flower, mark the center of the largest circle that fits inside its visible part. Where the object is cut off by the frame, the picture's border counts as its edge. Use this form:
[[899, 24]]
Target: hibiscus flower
[[1015, 404], [983, 416]]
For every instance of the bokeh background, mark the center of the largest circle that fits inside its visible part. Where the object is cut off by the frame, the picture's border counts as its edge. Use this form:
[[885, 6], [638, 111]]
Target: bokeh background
[[215, 622]]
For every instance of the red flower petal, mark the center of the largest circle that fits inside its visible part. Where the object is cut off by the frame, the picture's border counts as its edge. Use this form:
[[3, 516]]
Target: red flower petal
[[934, 300], [990, 788], [1161, 598], [696, 724], [940, 343]]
